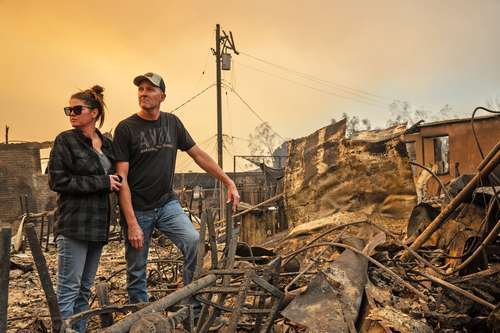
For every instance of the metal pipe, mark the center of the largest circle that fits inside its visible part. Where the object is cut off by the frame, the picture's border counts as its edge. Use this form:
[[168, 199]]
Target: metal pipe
[[445, 191], [124, 325], [457, 290], [450, 208]]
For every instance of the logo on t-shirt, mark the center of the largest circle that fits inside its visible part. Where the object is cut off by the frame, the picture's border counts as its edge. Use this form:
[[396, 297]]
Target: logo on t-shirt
[[154, 139]]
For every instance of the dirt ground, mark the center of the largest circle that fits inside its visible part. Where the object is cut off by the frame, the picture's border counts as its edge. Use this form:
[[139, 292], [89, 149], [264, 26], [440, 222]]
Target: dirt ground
[[27, 304]]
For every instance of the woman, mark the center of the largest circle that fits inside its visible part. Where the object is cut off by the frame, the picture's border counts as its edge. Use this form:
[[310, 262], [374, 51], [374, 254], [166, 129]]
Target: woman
[[81, 172]]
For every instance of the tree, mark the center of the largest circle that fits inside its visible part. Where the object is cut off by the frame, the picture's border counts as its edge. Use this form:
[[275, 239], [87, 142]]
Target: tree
[[263, 141], [403, 111], [353, 124]]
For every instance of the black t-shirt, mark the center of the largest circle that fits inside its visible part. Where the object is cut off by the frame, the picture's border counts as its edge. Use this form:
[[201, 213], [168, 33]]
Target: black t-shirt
[[150, 147]]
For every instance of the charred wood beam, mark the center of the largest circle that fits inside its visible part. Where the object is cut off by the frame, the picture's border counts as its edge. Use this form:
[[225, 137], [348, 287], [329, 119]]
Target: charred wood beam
[[110, 309], [5, 239], [43, 273], [126, 323], [450, 208]]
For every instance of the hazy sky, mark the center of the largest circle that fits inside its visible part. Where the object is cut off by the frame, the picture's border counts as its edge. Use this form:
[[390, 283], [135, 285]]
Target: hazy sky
[[429, 53]]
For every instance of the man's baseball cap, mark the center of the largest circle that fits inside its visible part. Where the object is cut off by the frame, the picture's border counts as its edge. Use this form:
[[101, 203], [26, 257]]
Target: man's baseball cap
[[154, 78]]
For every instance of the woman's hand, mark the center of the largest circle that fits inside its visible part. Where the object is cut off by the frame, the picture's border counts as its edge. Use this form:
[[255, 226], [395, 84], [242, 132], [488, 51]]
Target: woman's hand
[[115, 183]]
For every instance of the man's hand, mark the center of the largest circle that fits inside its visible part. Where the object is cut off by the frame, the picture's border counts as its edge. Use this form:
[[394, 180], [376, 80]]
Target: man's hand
[[208, 164], [233, 196], [136, 236]]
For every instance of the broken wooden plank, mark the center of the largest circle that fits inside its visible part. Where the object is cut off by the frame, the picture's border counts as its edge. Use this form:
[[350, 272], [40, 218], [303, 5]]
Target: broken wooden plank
[[44, 275]]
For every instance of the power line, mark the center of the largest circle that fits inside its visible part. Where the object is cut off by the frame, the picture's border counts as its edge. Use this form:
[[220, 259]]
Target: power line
[[317, 79], [251, 109], [239, 138], [353, 98], [207, 139], [204, 71], [192, 98]]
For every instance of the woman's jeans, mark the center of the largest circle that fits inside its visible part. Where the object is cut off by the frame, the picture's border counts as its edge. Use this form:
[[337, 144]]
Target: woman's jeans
[[173, 222], [77, 266]]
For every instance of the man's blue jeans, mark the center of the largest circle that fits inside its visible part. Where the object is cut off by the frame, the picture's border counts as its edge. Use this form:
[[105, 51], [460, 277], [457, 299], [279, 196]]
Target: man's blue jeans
[[77, 266], [173, 222]]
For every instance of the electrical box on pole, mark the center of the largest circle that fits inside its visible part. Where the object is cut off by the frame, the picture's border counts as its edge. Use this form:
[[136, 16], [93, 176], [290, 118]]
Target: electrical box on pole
[[226, 61]]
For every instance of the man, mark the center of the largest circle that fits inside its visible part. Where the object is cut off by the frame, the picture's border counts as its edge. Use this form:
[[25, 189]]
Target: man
[[146, 146]]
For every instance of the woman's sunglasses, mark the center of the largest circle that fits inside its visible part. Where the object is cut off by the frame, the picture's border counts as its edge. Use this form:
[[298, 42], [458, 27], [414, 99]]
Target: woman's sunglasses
[[77, 109]]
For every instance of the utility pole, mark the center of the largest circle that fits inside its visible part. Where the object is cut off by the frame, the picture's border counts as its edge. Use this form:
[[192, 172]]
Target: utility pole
[[219, 94], [223, 42], [6, 134]]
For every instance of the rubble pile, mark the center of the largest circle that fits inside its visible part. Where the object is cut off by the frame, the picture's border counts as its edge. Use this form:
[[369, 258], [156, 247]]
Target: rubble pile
[[362, 255], [326, 173]]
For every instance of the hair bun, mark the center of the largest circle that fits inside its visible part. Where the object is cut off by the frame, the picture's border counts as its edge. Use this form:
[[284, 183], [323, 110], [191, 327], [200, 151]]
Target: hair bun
[[97, 89]]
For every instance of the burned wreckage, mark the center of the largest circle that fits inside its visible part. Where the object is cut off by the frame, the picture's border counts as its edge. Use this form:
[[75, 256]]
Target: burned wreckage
[[367, 249]]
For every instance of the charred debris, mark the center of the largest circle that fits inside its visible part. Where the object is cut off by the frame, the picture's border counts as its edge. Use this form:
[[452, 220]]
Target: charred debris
[[379, 238]]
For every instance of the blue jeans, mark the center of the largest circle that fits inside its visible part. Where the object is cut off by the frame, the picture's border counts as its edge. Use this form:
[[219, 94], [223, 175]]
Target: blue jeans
[[77, 266], [173, 222]]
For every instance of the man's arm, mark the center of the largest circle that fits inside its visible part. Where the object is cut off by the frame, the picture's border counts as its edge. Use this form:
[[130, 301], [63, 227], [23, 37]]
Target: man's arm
[[135, 234], [208, 164]]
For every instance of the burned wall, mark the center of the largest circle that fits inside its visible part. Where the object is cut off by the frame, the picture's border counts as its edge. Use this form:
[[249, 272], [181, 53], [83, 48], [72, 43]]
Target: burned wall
[[463, 153], [327, 173], [20, 176]]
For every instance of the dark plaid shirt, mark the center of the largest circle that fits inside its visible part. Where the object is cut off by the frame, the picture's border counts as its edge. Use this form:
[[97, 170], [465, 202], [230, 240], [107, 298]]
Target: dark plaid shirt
[[83, 188]]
